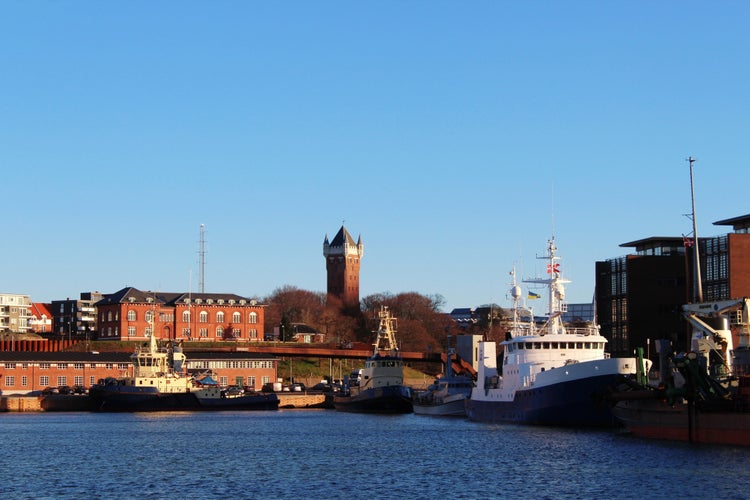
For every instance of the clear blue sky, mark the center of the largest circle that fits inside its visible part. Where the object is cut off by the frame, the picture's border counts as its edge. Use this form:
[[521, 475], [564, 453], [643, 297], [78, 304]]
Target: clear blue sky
[[455, 137]]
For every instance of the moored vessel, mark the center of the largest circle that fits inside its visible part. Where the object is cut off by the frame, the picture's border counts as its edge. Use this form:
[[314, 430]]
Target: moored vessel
[[551, 375], [446, 396], [697, 399], [160, 382], [381, 387]]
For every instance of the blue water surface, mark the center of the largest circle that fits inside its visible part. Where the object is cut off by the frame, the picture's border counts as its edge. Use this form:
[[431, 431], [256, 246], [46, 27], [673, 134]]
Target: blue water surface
[[323, 454]]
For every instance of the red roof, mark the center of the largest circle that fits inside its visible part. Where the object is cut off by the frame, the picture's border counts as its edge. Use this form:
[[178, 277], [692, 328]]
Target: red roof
[[38, 309]]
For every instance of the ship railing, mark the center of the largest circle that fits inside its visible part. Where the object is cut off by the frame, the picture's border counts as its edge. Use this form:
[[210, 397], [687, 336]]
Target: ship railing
[[583, 330]]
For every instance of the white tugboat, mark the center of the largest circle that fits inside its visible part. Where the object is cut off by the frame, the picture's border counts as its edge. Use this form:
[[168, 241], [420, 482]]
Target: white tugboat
[[161, 383]]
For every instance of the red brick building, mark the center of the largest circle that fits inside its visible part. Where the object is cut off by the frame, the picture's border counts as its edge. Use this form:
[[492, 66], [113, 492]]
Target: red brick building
[[343, 258], [24, 371], [132, 314]]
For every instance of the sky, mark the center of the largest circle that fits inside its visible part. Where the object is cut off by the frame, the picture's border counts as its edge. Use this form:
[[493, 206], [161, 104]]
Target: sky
[[454, 137]]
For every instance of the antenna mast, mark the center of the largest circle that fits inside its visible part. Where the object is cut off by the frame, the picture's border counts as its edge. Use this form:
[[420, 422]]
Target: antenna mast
[[697, 285], [203, 259]]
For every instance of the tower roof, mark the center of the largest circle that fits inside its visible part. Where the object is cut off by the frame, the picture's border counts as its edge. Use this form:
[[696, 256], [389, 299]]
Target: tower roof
[[342, 237]]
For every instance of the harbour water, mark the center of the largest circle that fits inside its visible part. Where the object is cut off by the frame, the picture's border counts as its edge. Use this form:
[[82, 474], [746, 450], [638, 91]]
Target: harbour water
[[323, 454]]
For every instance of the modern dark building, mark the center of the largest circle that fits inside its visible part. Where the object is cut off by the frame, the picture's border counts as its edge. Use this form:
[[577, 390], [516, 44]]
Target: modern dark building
[[75, 319], [639, 296]]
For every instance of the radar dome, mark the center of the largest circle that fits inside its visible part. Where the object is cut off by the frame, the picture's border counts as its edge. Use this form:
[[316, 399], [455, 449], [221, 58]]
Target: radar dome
[[515, 292]]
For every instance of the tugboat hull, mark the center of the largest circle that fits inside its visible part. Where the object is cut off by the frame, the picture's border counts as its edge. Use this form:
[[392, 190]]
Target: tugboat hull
[[389, 399], [132, 399]]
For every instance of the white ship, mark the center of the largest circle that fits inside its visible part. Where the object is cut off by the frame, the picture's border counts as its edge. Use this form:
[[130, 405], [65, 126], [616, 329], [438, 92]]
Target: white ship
[[551, 375]]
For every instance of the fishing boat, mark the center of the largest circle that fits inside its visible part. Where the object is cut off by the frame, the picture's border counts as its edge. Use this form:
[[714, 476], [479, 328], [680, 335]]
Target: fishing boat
[[381, 387], [446, 396], [160, 382], [550, 375]]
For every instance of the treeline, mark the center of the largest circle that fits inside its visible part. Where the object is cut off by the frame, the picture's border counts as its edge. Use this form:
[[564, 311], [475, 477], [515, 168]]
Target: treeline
[[421, 324]]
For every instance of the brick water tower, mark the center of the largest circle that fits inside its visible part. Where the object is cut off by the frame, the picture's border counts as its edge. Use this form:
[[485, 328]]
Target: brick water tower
[[343, 258]]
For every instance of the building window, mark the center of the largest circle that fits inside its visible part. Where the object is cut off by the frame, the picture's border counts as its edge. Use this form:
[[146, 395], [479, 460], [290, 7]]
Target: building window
[[122, 366], [78, 380], [62, 366], [44, 366], [236, 317], [131, 315], [10, 366], [252, 318], [78, 366], [220, 317], [219, 332], [24, 381], [266, 379], [44, 381], [10, 381], [186, 332], [186, 316], [92, 380], [62, 380], [149, 316], [131, 331], [253, 333], [203, 317], [109, 315], [236, 333], [251, 382], [204, 333]]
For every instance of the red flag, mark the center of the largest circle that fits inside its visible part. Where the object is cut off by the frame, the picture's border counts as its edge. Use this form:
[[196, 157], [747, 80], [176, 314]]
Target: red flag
[[687, 241]]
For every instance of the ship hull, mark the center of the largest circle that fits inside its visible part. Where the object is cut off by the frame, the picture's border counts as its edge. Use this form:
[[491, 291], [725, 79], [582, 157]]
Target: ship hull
[[455, 408], [120, 399], [577, 402], [656, 419], [388, 399]]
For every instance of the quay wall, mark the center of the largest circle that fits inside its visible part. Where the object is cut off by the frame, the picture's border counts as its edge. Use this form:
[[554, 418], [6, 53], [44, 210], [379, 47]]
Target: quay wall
[[36, 403], [20, 403]]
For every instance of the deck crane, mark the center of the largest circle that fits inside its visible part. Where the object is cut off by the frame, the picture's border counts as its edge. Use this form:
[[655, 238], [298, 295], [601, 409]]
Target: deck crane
[[712, 336]]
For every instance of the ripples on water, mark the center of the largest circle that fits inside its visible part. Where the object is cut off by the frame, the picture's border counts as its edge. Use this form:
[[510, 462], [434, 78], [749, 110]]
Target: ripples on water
[[319, 454]]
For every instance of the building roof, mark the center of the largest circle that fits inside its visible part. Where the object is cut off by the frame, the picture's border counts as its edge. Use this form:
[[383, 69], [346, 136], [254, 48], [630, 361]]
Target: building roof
[[119, 357], [65, 357], [130, 294], [342, 237], [39, 310], [740, 222], [652, 241], [302, 328]]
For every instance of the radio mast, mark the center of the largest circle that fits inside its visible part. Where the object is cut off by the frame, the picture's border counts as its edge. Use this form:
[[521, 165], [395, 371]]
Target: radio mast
[[202, 254]]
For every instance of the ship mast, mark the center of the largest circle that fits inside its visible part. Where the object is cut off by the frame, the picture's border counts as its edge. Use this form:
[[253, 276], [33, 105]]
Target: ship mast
[[555, 284], [697, 285]]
